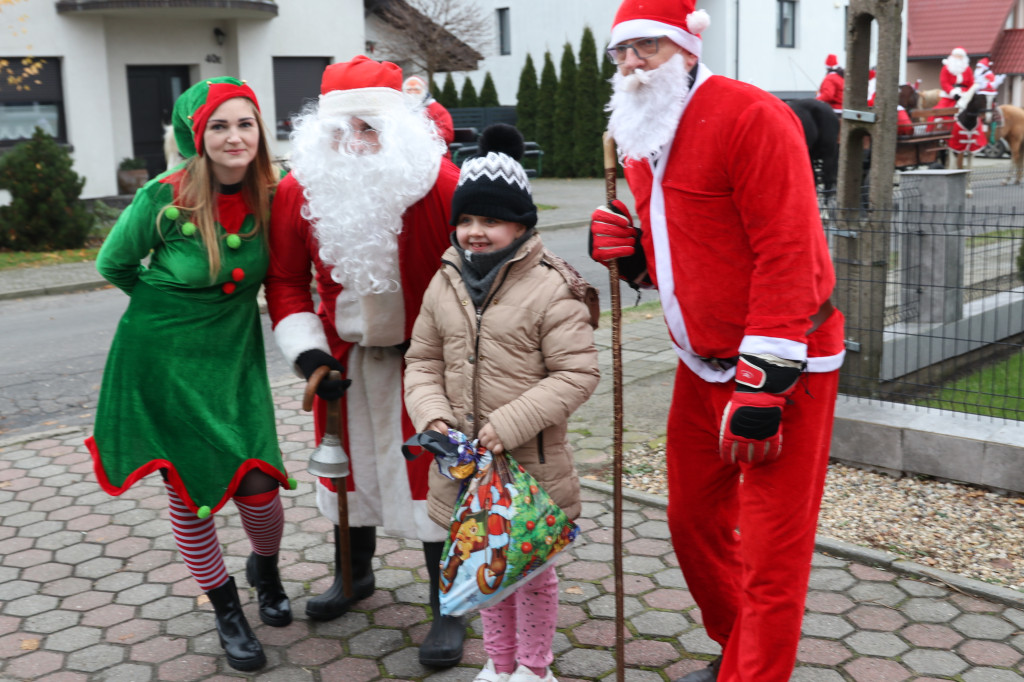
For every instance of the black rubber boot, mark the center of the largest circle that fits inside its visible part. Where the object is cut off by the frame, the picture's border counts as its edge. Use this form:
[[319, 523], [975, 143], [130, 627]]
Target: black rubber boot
[[261, 572], [442, 647], [332, 603], [241, 647]]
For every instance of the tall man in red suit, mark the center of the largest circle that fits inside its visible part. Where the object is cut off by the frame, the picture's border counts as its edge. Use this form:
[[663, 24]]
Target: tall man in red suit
[[729, 233], [831, 89], [366, 205]]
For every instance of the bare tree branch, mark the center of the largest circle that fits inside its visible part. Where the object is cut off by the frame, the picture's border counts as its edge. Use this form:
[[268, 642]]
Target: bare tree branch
[[435, 35]]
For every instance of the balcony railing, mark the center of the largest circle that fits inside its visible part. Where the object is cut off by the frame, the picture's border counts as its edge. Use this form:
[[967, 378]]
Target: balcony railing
[[221, 9]]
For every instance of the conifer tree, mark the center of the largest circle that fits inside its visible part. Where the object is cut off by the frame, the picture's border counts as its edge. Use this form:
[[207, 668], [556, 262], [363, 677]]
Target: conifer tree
[[488, 92], [469, 98], [565, 104], [45, 213], [608, 69], [546, 93], [434, 90], [526, 101], [587, 116], [449, 96]]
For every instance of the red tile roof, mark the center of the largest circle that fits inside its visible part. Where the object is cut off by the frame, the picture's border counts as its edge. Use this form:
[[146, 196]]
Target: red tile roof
[[935, 27], [1008, 57]]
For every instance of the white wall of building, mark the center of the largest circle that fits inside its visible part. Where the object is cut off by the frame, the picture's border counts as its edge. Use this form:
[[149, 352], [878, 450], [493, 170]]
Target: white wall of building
[[96, 49]]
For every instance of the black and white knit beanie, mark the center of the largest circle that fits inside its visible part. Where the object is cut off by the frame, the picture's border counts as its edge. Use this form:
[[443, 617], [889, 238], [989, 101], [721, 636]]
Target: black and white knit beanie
[[494, 184]]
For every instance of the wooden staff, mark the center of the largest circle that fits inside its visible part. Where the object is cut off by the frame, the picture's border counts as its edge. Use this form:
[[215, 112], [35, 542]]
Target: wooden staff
[[610, 170]]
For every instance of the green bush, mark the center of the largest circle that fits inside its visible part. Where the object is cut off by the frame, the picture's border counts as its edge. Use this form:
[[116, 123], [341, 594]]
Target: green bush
[[132, 164], [449, 95], [488, 92], [546, 111], [45, 213], [468, 98], [526, 101], [565, 115], [588, 118]]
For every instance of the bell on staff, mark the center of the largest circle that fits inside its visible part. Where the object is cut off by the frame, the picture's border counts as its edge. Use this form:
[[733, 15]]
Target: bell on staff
[[329, 459]]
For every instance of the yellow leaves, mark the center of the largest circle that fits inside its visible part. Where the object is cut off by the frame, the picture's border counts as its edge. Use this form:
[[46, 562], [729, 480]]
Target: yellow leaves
[[29, 644]]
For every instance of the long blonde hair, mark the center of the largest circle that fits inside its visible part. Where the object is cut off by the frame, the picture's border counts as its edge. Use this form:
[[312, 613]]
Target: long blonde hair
[[196, 196]]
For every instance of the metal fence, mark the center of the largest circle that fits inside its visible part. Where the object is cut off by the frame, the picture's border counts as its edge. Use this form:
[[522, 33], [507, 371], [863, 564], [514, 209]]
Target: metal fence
[[933, 294]]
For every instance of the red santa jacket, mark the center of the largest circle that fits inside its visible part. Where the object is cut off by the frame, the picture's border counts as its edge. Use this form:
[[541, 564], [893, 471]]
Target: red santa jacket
[[749, 262], [831, 90], [293, 248], [443, 120], [949, 82]]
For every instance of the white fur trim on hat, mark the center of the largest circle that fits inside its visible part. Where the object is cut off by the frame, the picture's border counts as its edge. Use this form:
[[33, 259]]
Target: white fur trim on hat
[[361, 102], [696, 21], [959, 52]]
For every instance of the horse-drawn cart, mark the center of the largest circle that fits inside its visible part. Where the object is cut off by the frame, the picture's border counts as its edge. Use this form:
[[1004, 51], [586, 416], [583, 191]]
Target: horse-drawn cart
[[929, 137]]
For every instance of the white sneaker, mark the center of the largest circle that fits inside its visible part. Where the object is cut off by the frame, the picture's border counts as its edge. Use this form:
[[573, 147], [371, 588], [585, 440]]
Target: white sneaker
[[488, 674], [524, 674]]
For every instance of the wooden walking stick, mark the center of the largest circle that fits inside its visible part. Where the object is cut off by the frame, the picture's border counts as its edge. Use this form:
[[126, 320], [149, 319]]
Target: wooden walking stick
[[330, 461], [610, 169]]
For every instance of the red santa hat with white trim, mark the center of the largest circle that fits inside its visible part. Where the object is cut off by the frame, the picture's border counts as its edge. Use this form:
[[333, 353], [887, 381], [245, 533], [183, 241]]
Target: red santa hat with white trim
[[676, 20], [361, 87]]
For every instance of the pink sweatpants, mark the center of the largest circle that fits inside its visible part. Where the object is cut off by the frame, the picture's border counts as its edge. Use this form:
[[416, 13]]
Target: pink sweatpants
[[744, 535], [521, 627]]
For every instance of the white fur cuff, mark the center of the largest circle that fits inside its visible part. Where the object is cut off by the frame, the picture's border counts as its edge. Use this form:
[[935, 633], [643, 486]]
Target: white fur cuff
[[300, 332]]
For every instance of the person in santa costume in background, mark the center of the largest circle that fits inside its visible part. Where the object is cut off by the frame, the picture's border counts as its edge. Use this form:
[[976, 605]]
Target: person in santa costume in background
[[185, 389], [831, 89], [366, 204], [701, 153], [422, 100], [956, 80], [988, 80]]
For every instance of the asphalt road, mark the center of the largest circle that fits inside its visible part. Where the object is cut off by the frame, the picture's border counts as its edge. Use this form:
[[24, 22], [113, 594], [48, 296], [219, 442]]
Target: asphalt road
[[53, 348]]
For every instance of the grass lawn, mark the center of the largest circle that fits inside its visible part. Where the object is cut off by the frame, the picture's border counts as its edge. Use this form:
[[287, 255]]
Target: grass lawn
[[994, 390], [34, 259]]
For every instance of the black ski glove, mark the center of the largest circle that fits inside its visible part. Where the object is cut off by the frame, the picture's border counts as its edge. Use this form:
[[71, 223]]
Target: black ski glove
[[329, 389]]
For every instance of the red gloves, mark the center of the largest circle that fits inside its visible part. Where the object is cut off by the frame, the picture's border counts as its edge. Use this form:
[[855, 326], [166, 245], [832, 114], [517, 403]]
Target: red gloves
[[612, 233], [751, 429]]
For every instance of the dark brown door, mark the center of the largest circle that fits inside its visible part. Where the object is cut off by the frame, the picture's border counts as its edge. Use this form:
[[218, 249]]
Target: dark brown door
[[151, 94]]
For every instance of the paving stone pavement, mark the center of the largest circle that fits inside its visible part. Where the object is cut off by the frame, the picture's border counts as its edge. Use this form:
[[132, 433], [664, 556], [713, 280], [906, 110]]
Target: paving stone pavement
[[92, 589]]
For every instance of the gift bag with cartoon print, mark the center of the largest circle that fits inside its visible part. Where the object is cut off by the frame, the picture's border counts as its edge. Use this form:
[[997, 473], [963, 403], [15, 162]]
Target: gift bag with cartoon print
[[505, 529]]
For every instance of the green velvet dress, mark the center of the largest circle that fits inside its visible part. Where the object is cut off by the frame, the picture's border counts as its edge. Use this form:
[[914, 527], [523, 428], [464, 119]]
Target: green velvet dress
[[185, 386]]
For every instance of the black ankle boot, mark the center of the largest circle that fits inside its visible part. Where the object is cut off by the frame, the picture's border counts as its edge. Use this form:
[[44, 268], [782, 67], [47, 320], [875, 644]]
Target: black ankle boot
[[261, 572], [332, 603], [442, 647], [241, 647]]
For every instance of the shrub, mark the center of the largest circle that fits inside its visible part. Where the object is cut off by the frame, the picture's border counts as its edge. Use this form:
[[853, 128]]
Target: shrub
[[131, 164], [565, 108], [449, 95], [588, 119], [488, 92], [468, 98], [526, 101], [546, 111], [45, 213]]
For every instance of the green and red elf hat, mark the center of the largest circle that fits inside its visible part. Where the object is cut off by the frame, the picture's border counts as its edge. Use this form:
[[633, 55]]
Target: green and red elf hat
[[193, 109]]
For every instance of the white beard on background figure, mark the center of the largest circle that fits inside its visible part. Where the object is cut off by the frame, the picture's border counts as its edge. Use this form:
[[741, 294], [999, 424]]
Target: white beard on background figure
[[645, 108], [355, 199], [956, 64]]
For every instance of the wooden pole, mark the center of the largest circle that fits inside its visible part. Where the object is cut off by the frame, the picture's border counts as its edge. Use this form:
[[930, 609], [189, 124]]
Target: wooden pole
[[610, 170]]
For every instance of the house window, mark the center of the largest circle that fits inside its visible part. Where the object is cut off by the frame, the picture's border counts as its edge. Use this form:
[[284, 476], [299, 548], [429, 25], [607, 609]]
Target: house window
[[787, 23], [504, 32], [296, 82], [31, 96]]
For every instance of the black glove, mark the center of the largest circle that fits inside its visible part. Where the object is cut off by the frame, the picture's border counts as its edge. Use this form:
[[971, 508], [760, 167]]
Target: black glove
[[329, 389]]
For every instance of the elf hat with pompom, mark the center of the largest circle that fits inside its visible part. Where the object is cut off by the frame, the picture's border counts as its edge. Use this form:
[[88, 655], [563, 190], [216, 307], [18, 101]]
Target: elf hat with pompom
[[494, 184], [193, 108], [676, 20], [361, 87]]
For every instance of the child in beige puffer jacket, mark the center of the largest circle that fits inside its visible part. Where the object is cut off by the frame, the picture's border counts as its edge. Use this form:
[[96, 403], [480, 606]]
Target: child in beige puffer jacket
[[503, 350]]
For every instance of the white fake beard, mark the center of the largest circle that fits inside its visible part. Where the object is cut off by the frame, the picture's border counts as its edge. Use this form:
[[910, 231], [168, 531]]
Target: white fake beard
[[645, 108], [355, 202], [956, 65]]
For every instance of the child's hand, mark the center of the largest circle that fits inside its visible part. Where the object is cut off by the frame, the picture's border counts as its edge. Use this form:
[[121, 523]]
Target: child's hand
[[438, 426], [488, 437]]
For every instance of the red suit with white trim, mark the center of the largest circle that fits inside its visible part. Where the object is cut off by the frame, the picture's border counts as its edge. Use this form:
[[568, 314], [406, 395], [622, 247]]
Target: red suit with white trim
[[733, 241]]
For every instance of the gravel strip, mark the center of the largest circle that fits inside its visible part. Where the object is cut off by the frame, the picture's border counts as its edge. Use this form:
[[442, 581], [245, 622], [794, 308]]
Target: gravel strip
[[949, 526]]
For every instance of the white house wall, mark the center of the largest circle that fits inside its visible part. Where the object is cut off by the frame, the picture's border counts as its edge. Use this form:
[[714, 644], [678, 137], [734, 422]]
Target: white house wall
[[744, 49], [95, 51]]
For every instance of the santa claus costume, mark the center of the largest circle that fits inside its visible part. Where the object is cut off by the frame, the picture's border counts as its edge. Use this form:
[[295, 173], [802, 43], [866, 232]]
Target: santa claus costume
[[955, 79], [423, 100], [831, 89], [367, 206], [744, 284]]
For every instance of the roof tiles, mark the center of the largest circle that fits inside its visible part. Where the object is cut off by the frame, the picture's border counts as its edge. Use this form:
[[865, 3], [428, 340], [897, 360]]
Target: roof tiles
[[935, 27]]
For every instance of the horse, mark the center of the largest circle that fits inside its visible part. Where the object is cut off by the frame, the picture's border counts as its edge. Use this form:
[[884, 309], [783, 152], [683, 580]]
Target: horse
[[927, 99], [1010, 131], [821, 131], [908, 97]]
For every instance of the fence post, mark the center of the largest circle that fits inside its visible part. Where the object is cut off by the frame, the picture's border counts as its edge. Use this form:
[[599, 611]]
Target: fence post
[[862, 241], [932, 248]]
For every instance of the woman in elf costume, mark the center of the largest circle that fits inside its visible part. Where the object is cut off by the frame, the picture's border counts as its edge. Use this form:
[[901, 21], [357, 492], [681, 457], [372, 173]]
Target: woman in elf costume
[[185, 389]]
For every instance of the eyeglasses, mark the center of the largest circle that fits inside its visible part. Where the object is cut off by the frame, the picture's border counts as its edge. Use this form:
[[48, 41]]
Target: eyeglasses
[[643, 48]]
